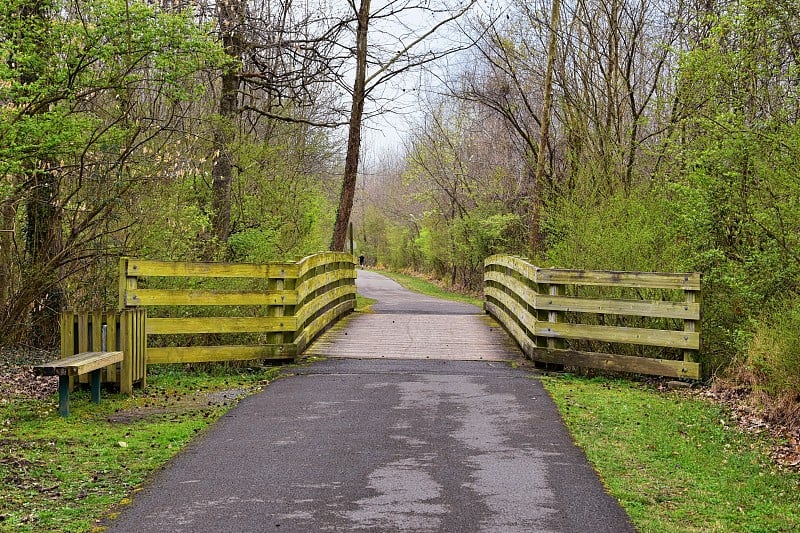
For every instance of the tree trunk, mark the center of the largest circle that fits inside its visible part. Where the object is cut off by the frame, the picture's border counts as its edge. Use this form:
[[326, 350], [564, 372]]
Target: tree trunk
[[544, 135], [354, 133], [7, 217], [44, 245], [43, 238], [222, 171], [612, 135], [231, 18]]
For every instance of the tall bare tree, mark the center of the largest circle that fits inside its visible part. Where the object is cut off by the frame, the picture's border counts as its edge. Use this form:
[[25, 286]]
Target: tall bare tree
[[408, 52], [544, 134]]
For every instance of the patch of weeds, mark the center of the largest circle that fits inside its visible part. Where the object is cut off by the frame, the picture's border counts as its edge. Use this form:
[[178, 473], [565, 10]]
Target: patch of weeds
[[364, 304], [675, 462]]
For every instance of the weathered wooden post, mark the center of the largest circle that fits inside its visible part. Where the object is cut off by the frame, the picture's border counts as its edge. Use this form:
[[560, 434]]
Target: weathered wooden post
[[133, 333], [95, 375], [693, 297]]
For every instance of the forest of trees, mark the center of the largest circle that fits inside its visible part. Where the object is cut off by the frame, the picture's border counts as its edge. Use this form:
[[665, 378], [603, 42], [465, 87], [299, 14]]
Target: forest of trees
[[654, 135]]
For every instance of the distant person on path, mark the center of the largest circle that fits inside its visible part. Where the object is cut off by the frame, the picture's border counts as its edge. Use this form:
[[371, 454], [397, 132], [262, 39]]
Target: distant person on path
[[361, 260]]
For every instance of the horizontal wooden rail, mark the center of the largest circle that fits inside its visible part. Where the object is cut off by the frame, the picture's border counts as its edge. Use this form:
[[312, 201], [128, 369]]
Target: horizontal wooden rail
[[154, 297], [654, 280], [532, 305], [546, 302], [212, 354], [143, 268], [167, 326]]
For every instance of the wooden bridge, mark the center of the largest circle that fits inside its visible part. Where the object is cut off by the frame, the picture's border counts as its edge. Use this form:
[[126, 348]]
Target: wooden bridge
[[404, 325], [203, 312], [391, 433]]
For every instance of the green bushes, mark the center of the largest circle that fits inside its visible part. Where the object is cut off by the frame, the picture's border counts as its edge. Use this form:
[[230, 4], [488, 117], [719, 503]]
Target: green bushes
[[623, 231]]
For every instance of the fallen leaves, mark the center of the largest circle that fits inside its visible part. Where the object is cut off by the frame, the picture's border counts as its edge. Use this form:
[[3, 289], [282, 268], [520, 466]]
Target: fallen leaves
[[17, 378], [785, 451]]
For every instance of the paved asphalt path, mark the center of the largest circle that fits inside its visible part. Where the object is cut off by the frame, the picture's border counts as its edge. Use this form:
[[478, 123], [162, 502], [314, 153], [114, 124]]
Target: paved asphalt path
[[383, 445]]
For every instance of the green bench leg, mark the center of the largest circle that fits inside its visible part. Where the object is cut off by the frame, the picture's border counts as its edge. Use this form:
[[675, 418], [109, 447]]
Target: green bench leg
[[63, 395], [94, 377]]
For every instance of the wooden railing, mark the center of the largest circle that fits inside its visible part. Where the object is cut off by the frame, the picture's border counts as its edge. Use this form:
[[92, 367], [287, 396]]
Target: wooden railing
[[297, 302], [533, 305], [325, 291], [291, 304]]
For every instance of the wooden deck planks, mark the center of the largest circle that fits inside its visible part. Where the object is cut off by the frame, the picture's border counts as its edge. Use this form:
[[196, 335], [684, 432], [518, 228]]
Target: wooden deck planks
[[443, 337]]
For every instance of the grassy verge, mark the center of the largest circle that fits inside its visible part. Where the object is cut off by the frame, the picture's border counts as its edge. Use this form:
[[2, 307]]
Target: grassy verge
[[63, 474], [364, 304], [428, 288], [676, 462]]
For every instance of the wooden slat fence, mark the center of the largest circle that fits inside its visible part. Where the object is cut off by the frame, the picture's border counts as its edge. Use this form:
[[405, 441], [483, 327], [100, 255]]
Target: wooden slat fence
[[83, 332], [295, 302], [532, 305]]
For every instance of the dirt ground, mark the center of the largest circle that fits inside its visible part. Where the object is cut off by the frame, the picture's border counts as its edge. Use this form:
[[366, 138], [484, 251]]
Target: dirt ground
[[746, 412]]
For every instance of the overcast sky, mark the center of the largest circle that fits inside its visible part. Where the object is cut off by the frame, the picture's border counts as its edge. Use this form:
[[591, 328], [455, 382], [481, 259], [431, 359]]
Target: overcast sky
[[403, 94]]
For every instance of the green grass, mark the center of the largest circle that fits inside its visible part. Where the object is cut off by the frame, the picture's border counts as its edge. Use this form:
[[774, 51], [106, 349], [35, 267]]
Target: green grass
[[364, 304], [63, 474], [676, 463], [428, 288]]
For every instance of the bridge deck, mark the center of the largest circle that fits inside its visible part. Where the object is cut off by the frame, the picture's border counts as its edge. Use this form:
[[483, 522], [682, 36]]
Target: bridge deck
[[406, 325]]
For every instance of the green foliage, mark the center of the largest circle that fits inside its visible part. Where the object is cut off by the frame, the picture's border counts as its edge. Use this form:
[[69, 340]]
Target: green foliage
[[373, 239], [64, 77], [402, 249], [174, 234], [737, 201], [623, 231], [435, 249], [280, 212], [771, 362], [482, 233], [255, 245]]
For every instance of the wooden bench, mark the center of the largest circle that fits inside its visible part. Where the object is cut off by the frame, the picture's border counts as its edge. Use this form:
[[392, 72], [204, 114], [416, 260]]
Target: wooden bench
[[77, 365]]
